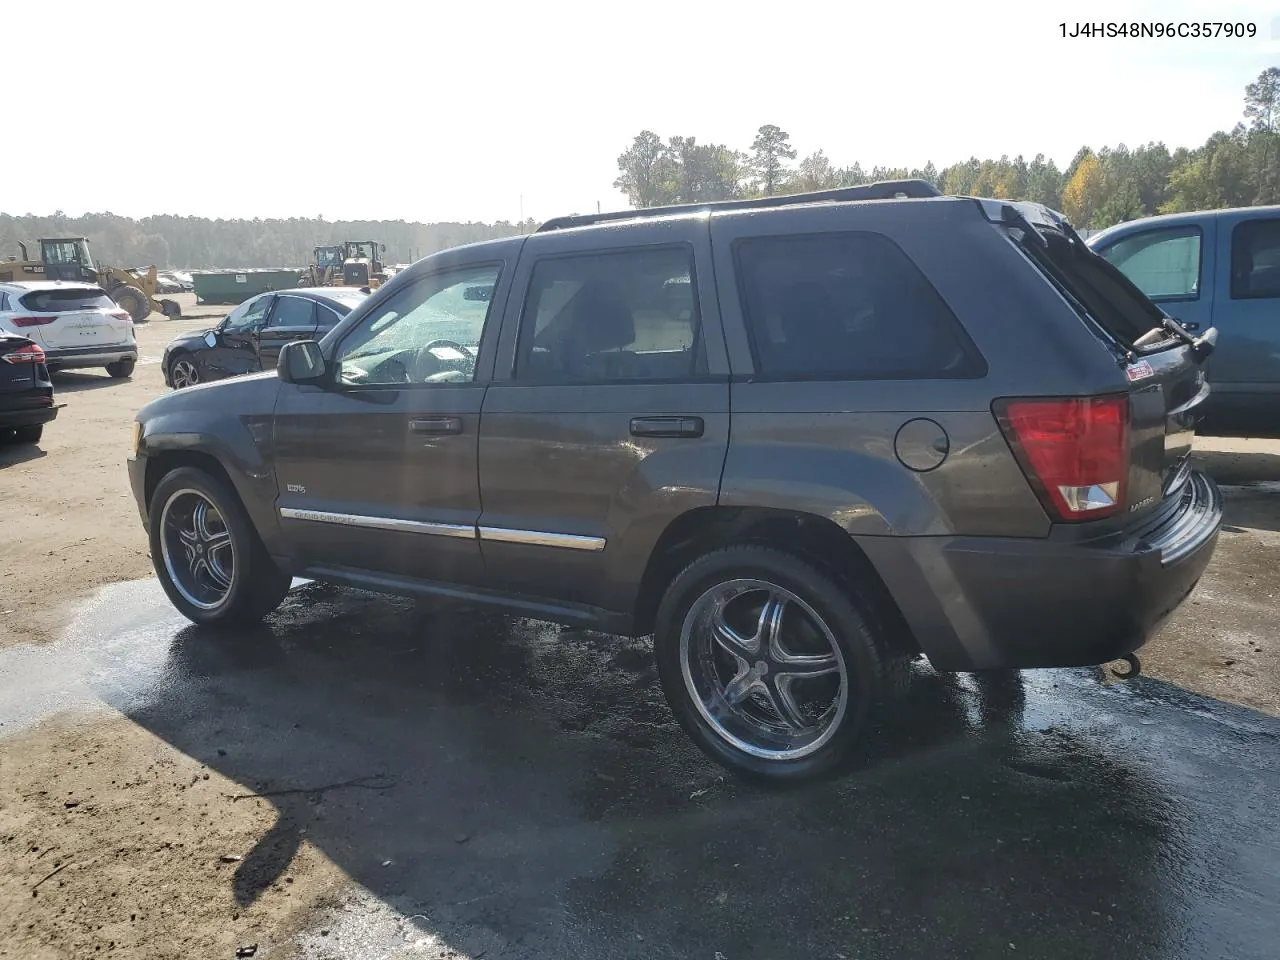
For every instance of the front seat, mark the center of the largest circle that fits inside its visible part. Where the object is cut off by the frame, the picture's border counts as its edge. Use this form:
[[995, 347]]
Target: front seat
[[592, 347]]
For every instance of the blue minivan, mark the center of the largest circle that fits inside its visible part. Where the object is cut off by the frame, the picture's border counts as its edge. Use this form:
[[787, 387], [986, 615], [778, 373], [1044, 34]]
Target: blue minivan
[[1216, 268]]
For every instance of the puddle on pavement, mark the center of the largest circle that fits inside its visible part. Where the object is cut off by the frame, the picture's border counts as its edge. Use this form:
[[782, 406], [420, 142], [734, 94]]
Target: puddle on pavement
[[541, 800]]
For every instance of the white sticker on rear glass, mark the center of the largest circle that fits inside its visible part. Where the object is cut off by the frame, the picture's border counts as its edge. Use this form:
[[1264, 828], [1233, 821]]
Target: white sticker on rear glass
[[1139, 371]]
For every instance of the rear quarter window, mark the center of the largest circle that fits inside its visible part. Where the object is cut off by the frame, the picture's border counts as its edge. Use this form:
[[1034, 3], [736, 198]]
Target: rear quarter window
[[847, 306], [63, 301]]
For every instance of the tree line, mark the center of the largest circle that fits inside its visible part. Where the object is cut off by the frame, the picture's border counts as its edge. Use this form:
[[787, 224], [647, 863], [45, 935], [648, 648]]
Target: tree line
[[1238, 168], [201, 243]]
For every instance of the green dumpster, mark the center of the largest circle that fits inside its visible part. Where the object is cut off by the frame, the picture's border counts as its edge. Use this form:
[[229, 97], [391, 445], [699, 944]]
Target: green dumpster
[[236, 286]]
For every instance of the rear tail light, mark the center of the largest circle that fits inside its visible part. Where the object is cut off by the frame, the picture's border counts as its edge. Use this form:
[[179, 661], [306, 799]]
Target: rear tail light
[[32, 321], [122, 315], [1074, 450], [25, 354]]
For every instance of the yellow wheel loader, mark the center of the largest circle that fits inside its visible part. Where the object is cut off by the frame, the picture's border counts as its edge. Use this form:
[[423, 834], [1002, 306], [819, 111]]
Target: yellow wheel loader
[[362, 264], [68, 258], [325, 269]]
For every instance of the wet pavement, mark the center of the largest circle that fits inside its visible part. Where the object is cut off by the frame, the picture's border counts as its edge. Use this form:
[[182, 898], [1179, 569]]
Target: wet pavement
[[506, 788]]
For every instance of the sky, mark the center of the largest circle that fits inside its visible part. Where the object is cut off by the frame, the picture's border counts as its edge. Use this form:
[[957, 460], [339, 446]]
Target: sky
[[429, 111]]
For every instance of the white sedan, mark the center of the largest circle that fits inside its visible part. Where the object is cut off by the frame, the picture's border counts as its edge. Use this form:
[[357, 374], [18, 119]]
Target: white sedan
[[76, 324]]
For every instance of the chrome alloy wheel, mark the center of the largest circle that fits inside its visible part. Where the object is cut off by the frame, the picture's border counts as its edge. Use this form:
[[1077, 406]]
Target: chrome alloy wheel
[[763, 669], [196, 548], [184, 374]]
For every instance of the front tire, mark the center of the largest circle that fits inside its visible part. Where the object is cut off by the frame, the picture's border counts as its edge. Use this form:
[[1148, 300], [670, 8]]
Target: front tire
[[769, 665], [183, 371], [121, 369], [205, 551]]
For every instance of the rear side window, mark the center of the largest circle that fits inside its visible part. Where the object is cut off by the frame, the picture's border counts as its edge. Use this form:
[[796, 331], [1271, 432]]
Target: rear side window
[[1255, 260], [847, 306], [62, 301], [293, 312], [625, 316], [1163, 264]]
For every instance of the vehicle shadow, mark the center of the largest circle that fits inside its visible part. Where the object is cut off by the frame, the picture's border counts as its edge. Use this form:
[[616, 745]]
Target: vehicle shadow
[[13, 453], [521, 790], [1239, 467], [74, 381]]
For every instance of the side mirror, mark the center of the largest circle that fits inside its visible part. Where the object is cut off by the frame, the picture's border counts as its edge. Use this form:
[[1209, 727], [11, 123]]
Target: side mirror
[[301, 361], [211, 338]]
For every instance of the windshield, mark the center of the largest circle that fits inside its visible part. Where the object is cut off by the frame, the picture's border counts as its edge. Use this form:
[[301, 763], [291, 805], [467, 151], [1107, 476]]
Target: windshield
[[328, 256], [361, 251], [67, 251]]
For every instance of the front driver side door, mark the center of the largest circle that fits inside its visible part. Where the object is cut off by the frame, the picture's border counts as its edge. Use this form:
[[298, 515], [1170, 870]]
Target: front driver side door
[[377, 470], [235, 348]]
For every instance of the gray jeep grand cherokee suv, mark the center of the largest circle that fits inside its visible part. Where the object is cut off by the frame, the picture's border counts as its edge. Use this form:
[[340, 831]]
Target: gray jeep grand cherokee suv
[[799, 440]]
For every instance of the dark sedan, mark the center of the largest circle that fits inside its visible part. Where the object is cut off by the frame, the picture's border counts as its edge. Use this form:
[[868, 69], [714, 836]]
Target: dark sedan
[[26, 393], [249, 338]]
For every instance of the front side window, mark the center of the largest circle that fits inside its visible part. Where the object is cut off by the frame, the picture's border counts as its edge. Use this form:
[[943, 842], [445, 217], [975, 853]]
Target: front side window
[[619, 316], [847, 306], [249, 315], [1163, 264], [293, 312], [1255, 260], [429, 332]]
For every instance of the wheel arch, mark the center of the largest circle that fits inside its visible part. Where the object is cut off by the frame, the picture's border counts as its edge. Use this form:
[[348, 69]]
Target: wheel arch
[[812, 537]]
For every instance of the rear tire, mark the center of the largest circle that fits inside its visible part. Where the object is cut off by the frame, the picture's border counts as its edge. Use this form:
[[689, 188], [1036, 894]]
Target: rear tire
[[133, 301], [29, 434], [779, 693], [209, 558], [121, 369]]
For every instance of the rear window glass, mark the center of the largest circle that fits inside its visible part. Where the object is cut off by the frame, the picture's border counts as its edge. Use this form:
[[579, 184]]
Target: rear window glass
[[1105, 294], [62, 301], [847, 306]]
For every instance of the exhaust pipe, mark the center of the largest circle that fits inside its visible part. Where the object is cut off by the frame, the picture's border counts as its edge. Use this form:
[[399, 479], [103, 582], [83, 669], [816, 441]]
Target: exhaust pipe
[[23, 247], [1127, 667]]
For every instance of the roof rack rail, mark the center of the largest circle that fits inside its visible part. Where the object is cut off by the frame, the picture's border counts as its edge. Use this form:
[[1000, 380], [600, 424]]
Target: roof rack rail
[[882, 190]]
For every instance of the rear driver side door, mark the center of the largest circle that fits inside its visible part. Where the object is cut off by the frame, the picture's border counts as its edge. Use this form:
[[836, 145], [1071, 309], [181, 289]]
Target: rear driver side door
[[609, 413], [292, 318]]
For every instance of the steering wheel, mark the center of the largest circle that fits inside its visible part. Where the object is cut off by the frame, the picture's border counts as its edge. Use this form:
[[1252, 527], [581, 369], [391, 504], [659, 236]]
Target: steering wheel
[[449, 343]]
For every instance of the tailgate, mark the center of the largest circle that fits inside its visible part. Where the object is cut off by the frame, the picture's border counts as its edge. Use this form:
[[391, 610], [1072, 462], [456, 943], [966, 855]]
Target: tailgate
[[88, 328], [1167, 395], [16, 379], [1163, 363]]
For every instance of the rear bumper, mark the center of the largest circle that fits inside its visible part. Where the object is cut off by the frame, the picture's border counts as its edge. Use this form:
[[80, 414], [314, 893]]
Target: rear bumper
[[75, 357], [27, 416], [985, 602]]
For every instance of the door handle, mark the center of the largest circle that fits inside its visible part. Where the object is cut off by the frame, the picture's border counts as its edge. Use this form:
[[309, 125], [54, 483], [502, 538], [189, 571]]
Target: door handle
[[436, 426], [666, 426]]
